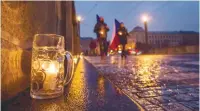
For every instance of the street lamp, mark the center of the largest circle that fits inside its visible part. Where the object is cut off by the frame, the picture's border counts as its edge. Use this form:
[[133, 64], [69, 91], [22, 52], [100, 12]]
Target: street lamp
[[78, 18], [145, 19]]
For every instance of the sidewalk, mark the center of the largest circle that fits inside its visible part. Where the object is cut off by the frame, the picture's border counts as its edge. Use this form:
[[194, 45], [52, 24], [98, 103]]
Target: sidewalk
[[88, 91]]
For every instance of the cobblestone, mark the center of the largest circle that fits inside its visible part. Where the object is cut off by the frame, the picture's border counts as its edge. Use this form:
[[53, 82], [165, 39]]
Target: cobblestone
[[194, 105], [153, 108], [175, 107], [157, 83]]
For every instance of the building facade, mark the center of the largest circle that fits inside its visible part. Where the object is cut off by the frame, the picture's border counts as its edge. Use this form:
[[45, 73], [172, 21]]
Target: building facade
[[85, 43], [160, 39], [190, 38]]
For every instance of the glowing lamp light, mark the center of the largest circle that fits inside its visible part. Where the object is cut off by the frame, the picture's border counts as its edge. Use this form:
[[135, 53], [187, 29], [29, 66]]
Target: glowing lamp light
[[78, 18], [129, 47], [145, 18], [119, 51]]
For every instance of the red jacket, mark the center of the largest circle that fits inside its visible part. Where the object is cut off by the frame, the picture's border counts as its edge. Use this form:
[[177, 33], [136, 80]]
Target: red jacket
[[93, 44]]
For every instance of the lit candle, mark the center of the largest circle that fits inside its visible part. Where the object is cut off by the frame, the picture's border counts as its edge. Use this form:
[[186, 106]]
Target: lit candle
[[51, 70], [120, 33], [101, 32]]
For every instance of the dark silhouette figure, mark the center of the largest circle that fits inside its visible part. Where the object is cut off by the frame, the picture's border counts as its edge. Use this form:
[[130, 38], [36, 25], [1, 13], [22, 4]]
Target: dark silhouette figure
[[101, 30], [106, 47], [122, 34]]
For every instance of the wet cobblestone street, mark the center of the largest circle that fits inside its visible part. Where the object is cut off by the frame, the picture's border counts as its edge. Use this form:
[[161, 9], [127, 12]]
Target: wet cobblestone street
[[156, 82]]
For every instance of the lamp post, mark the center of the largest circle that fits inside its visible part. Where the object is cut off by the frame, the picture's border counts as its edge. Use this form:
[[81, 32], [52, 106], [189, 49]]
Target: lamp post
[[78, 20], [145, 20]]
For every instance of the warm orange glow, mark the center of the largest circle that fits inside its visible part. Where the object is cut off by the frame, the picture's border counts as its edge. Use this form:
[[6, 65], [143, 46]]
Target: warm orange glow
[[144, 74], [51, 74], [101, 32], [120, 51], [52, 69], [81, 56], [78, 88], [75, 60], [101, 87], [120, 33], [78, 18]]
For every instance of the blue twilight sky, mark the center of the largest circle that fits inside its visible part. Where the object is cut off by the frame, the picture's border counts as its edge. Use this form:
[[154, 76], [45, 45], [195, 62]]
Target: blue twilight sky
[[164, 15]]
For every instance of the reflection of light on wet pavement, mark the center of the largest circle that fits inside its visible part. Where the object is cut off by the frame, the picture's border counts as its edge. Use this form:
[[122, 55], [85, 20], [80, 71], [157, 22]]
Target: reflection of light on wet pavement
[[121, 63], [100, 86], [101, 90], [78, 88], [112, 59], [156, 82], [147, 70]]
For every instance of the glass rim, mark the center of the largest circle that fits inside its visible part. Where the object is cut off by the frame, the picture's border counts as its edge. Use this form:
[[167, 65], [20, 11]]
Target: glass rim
[[46, 34]]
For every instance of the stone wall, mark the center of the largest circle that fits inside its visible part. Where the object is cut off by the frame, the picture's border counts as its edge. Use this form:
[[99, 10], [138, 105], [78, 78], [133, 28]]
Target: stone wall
[[20, 20]]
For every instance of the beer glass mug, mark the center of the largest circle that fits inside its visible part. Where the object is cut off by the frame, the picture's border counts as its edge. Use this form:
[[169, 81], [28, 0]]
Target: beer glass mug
[[47, 68]]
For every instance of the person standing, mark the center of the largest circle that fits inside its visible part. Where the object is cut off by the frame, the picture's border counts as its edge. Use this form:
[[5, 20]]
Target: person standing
[[101, 30], [92, 47], [122, 34], [106, 47]]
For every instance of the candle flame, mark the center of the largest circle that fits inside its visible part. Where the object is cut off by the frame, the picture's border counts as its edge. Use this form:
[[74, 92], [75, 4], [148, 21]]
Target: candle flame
[[52, 69], [101, 32], [120, 33]]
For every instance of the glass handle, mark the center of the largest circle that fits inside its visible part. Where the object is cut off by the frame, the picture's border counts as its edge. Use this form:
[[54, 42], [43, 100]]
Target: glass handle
[[70, 67]]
